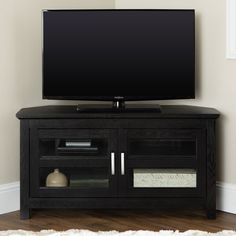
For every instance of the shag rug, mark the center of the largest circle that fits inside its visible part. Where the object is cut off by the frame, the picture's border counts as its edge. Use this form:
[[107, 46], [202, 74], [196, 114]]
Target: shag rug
[[75, 232]]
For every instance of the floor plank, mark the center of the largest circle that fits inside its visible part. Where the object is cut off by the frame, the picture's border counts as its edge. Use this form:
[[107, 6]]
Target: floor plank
[[104, 220]]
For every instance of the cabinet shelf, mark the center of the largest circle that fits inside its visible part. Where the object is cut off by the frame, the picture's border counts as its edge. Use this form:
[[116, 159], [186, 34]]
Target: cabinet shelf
[[69, 188], [71, 157], [57, 146], [162, 163], [77, 150], [73, 162], [155, 156]]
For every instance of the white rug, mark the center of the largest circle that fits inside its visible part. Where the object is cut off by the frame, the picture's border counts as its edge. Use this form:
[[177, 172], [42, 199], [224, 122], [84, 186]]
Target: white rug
[[74, 232]]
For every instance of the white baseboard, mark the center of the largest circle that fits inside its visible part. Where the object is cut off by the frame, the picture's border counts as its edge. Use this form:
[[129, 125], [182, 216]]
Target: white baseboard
[[226, 197], [10, 197]]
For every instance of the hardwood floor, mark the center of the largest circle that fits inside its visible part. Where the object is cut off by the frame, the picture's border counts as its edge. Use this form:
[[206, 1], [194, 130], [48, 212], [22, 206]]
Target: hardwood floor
[[118, 220]]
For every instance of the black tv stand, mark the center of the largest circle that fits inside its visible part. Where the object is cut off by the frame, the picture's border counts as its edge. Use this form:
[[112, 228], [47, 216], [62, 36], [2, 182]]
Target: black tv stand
[[119, 106], [132, 160]]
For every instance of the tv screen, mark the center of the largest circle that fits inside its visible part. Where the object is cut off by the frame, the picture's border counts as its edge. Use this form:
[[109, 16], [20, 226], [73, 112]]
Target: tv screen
[[124, 54]]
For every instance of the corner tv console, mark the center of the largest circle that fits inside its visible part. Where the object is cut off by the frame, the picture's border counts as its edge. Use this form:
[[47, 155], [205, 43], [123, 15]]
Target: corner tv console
[[119, 159]]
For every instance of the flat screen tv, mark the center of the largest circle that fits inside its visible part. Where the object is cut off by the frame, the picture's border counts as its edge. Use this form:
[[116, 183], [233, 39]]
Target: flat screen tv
[[118, 54]]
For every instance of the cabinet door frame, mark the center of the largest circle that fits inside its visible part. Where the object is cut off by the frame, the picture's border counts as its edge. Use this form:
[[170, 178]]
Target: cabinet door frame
[[126, 181], [37, 191]]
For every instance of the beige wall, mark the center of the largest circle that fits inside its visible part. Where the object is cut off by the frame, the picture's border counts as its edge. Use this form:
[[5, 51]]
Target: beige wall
[[20, 70]]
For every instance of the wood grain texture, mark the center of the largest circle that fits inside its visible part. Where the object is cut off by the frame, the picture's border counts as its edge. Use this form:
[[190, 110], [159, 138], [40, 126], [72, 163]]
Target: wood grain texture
[[171, 111], [24, 169], [211, 170], [120, 220]]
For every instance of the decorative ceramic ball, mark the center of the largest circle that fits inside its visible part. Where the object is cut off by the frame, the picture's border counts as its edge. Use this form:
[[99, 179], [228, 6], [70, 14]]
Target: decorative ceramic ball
[[56, 179]]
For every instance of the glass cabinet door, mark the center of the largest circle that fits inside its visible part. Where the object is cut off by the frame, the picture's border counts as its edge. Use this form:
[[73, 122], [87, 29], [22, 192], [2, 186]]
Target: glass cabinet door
[[162, 162], [84, 159]]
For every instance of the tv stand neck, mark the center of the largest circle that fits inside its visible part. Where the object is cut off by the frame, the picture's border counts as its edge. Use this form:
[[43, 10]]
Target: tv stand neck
[[118, 104]]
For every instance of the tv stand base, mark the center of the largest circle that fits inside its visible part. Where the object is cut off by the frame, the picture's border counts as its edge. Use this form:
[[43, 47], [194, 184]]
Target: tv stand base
[[119, 106]]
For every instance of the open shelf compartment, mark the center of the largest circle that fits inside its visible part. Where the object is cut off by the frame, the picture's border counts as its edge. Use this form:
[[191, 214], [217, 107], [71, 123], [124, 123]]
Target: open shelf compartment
[[52, 147], [162, 147], [80, 178]]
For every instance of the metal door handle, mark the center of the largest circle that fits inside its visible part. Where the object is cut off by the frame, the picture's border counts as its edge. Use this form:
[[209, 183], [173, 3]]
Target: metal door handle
[[112, 163], [122, 161]]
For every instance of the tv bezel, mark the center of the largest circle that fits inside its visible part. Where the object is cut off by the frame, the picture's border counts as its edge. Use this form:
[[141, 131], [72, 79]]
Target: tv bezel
[[117, 97]]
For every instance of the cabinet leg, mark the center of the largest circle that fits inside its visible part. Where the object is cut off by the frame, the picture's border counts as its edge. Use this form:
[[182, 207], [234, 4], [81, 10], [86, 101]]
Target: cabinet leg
[[25, 213], [211, 214]]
